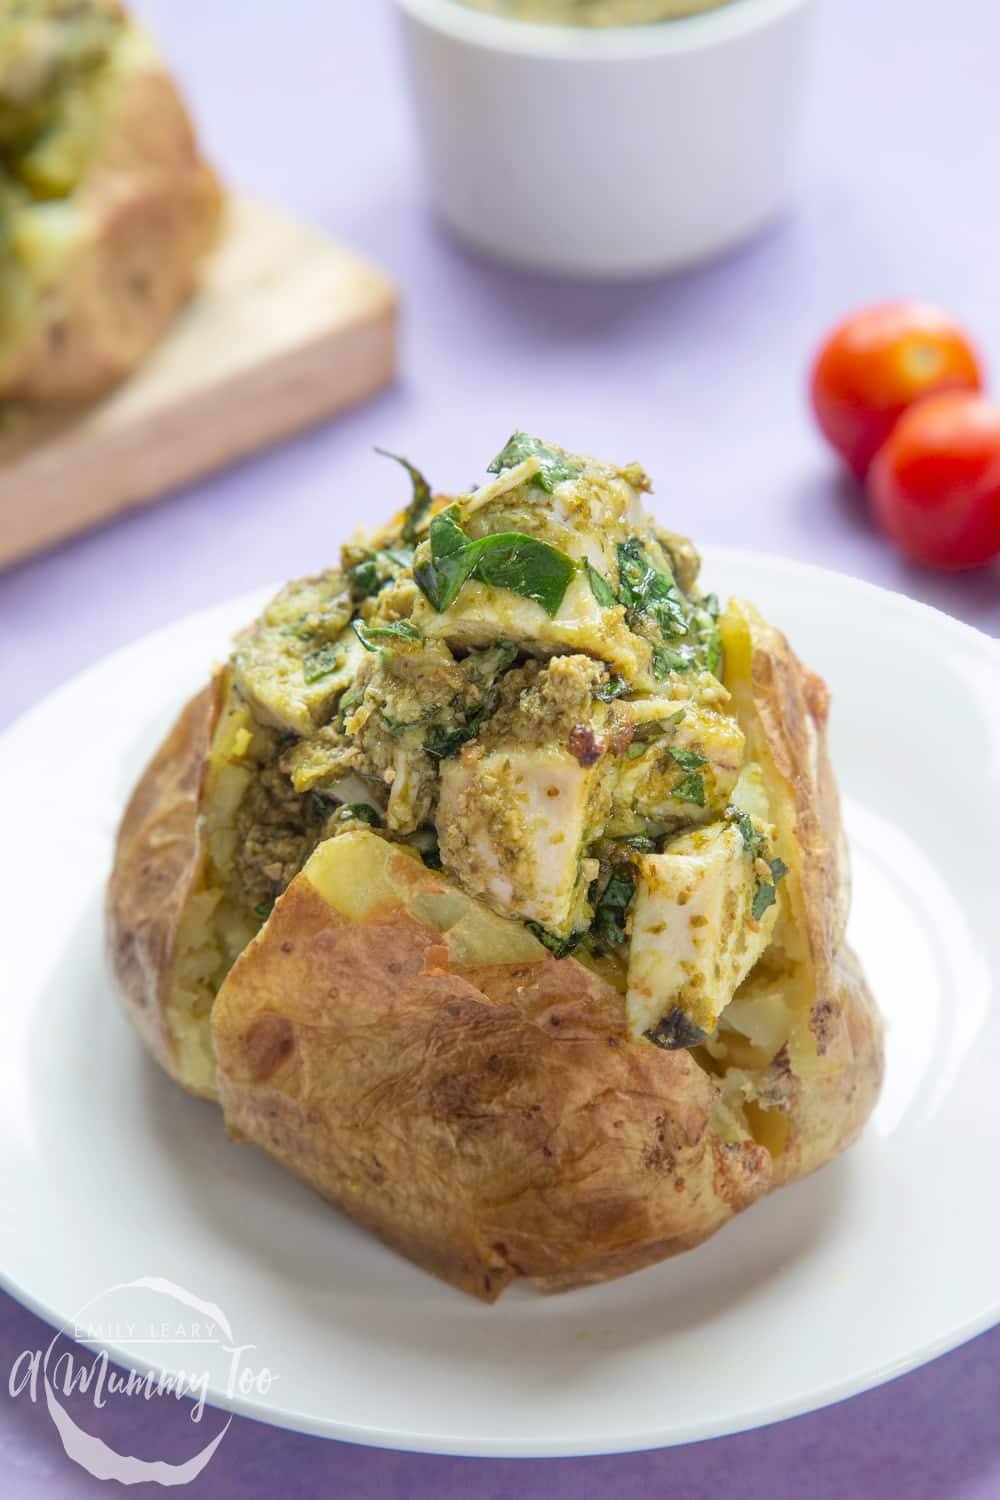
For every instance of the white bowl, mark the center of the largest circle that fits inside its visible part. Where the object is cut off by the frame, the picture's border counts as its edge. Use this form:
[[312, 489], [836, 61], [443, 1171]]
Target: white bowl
[[620, 151]]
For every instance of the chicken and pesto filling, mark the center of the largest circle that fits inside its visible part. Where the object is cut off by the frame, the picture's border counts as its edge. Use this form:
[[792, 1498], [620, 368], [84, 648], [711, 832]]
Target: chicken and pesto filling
[[523, 686]]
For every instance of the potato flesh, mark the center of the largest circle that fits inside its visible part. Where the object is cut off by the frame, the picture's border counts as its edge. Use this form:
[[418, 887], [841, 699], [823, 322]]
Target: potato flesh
[[359, 875]]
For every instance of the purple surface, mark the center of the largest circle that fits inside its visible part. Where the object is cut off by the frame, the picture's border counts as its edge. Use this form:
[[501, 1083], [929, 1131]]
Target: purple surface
[[702, 379]]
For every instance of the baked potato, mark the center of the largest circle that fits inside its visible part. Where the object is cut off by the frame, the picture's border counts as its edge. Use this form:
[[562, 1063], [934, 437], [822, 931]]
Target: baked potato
[[106, 208], [496, 887]]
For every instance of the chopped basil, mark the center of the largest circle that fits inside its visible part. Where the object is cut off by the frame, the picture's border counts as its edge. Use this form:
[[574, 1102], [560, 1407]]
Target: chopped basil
[[751, 836], [667, 659], [766, 892], [688, 760], [444, 743], [559, 947], [264, 910], [704, 626], [649, 592], [676, 1031], [554, 468], [609, 924], [301, 631], [358, 812], [508, 560], [398, 630], [319, 664], [417, 511], [764, 896], [612, 689], [690, 788], [599, 586]]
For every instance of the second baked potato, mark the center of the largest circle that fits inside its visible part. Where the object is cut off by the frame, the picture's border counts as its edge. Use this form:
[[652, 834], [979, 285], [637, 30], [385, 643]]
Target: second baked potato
[[106, 207]]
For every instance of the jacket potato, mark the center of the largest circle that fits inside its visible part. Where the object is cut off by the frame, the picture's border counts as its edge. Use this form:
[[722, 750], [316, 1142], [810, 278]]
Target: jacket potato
[[106, 208], [496, 887]]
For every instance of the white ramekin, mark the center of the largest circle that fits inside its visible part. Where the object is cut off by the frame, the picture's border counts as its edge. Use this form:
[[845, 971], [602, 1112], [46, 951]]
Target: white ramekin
[[609, 152]]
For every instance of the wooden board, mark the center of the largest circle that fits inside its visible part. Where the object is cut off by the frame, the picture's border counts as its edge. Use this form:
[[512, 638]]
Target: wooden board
[[287, 329]]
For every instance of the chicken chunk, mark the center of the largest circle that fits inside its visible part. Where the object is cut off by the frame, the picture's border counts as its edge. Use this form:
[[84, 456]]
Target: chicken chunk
[[480, 614], [513, 825], [680, 767], [295, 662], [694, 933]]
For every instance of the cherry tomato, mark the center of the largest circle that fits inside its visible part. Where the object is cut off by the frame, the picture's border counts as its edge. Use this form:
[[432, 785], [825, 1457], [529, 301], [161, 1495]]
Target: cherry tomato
[[876, 364], [935, 485]]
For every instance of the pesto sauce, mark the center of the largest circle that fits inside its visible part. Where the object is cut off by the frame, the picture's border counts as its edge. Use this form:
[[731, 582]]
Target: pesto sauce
[[595, 12]]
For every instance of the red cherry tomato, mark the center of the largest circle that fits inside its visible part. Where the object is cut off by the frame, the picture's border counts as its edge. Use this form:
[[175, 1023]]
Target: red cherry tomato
[[876, 364], [935, 485]]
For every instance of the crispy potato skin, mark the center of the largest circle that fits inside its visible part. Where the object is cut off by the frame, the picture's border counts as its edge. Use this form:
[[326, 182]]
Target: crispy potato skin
[[147, 212], [827, 1113], [494, 1122], [157, 863], [488, 1124]]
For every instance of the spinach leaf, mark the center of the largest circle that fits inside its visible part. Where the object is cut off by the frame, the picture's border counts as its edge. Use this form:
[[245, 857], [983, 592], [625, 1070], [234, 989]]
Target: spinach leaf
[[609, 924], [398, 630], [451, 562], [320, 664], [527, 567], [649, 592], [554, 468], [599, 586], [559, 947], [417, 511], [508, 560], [690, 788], [371, 575]]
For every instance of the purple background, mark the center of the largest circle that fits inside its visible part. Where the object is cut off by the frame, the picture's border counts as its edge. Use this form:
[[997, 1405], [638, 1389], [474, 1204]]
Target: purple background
[[702, 379]]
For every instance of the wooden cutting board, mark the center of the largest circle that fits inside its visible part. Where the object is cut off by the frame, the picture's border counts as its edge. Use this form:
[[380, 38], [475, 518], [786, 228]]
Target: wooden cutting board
[[288, 328]]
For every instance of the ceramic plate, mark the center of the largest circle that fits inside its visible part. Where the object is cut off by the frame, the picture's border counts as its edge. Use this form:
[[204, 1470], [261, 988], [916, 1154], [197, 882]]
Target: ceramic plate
[[124, 1199]]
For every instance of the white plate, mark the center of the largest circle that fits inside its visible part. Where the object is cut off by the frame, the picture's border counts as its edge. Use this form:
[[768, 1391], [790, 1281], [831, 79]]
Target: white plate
[[878, 1263]]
